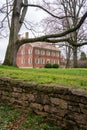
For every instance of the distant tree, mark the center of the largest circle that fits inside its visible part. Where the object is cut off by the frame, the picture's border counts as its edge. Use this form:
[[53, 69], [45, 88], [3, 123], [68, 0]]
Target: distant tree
[[83, 56], [72, 10]]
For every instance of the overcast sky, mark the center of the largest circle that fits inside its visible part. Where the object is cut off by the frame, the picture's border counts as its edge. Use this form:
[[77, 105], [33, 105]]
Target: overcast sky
[[33, 15]]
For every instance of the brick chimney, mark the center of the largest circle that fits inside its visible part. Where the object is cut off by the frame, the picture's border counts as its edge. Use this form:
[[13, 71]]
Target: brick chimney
[[26, 35]]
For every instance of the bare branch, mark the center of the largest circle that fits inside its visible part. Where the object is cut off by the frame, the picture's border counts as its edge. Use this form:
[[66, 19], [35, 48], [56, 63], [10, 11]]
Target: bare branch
[[46, 38], [38, 6], [24, 11], [8, 14]]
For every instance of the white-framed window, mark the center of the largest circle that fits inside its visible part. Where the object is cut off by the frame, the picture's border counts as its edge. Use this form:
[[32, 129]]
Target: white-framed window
[[48, 53], [53, 61], [37, 60], [58, 62], [22, 61], [42, 61], [37, 51], [29, 51], [42, 52], [48, 61], [23, 52], [57, 54], [53, 53], [29, 60]]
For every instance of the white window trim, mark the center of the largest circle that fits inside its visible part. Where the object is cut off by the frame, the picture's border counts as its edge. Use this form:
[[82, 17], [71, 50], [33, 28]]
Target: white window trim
[[42, 61], [29, 51], [53, 53], [37, 61], [48, 53], [42, 52], [22, 61], [23, 52], [37, 51], [29, 60]]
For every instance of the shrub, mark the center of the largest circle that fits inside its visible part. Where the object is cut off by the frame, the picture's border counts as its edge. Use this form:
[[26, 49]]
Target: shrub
[[55, 66], [48, 65]]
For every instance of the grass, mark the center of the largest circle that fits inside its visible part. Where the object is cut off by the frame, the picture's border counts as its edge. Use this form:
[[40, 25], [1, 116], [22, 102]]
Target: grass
[[13, 118], [65, 77]]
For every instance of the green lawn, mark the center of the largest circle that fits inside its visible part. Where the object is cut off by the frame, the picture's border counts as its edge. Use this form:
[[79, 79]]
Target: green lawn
[[67, 77]]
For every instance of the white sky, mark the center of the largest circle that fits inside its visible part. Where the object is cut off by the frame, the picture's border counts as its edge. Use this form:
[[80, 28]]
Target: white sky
[[33, 15]]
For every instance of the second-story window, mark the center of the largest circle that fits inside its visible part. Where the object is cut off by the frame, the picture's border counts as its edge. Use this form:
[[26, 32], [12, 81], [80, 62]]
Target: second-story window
[[57, 54], [48, 53], [29, 51], [23, 52], [37, 51], [42, 52], [53, 53]]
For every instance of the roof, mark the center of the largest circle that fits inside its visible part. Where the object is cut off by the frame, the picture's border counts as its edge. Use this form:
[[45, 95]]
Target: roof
[[44, 45]]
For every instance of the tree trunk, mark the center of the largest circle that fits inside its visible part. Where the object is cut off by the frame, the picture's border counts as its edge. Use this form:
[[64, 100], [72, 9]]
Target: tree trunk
[[18, 15], [75, 65], [68, 57], [11, 53]]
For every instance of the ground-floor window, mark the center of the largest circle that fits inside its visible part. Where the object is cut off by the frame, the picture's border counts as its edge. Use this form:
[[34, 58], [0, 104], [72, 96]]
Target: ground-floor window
[[22, 61], [29, 60]]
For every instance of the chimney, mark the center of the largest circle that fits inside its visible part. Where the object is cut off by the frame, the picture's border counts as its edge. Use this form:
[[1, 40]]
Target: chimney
[[26, 35]]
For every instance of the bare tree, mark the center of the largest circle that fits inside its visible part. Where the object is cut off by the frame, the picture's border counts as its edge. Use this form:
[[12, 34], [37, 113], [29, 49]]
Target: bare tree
[[18, 13], [72, 10]]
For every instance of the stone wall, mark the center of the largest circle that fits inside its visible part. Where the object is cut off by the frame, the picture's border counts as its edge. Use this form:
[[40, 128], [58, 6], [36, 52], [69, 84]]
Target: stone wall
[[64, 107]]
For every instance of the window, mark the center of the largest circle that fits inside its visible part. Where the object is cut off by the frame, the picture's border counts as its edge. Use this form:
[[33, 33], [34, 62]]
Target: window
[[42, 61], [58, 62], [42, 52], [29, 60], [53, 53], [22, 61], [48, 53], [37, 61], [57, 54], [22, 52], [37, 51], [48, 60], [53, 61], [29, 51]]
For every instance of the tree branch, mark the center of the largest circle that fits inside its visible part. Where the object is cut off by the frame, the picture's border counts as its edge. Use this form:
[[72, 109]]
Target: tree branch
[[24, 11], [81, 44], [38, 6], [48, 38], [65, 32]]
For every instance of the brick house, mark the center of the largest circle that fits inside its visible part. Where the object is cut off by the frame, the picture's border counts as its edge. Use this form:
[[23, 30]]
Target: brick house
[[37, 54]]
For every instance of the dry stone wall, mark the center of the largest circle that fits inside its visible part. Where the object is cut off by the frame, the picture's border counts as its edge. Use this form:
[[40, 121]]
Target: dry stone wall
[[64, 107]]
